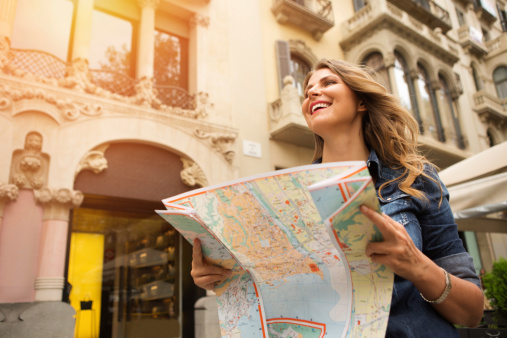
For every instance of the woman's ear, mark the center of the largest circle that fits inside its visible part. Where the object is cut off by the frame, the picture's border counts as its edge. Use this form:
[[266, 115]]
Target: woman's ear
[[361, 106]]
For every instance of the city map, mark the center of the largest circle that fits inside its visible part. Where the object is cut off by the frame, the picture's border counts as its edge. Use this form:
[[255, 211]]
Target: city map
[[295, 241]]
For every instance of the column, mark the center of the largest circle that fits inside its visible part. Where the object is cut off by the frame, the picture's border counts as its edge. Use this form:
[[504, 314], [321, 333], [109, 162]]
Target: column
[[146, 45], [56, 203], [197, 77], [82, 30], [8, 192], [7, 15]]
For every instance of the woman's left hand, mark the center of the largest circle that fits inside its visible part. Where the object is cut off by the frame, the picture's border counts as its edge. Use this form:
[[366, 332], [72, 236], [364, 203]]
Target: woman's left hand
[[397, 250]]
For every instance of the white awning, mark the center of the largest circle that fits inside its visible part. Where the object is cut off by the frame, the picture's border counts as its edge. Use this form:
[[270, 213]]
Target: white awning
[[478, 190]]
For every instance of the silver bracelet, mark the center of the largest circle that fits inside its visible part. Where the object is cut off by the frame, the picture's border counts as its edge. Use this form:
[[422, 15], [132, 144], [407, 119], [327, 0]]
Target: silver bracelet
[[443, 296]]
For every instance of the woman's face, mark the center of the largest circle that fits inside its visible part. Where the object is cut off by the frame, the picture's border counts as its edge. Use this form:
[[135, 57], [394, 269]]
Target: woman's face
[[330, 106]]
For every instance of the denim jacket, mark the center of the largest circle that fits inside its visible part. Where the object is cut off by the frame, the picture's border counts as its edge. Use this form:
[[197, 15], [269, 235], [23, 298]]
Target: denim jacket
[[434, 231]]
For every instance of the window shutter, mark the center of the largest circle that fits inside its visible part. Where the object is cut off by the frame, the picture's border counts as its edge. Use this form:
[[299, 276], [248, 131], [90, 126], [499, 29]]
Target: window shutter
[[358, 4], [283, 57]]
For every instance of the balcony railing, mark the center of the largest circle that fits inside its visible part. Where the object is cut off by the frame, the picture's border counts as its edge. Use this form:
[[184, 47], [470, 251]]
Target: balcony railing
[[427, 12], [46, 68], [484, 13], [314, 16], [497, 46]]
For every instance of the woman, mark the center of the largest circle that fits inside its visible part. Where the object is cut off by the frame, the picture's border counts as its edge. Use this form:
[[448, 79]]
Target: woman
[[355, 119]]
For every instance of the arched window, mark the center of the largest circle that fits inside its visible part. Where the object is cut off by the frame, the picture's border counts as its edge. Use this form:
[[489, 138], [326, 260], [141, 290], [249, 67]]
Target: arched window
[[429, 107], [375, 61], [405, 87], [500, 80], [477, 80], [299, 69], [448, 107]]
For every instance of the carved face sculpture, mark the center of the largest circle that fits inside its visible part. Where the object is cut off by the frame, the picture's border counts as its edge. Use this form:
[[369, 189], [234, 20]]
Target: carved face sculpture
[[33, 141]]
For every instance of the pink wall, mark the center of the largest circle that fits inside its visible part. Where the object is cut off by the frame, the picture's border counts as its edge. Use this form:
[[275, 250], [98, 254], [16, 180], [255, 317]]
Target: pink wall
[[52, 255], [19, 248]]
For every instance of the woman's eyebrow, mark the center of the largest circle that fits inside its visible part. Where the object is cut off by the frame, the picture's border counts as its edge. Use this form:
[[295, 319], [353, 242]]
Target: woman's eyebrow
[[323, 79]]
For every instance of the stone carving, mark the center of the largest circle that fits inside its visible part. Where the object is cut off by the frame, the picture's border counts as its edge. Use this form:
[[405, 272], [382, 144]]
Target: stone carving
[[221, 142], [5, 52], [146, 95], [291, 103], [94, 161], [199, 20], [29, 169], [203, 105], [79, 78], [58, 202], [192, 175], [8, 191]]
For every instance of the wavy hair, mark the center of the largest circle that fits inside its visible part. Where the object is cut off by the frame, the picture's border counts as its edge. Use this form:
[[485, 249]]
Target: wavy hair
[[387, 127]]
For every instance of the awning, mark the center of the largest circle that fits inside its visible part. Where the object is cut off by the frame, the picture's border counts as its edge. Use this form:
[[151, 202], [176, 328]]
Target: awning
[[478, 190]]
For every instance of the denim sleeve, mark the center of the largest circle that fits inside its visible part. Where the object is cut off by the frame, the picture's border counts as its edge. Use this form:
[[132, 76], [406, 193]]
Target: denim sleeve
[[441, 242]]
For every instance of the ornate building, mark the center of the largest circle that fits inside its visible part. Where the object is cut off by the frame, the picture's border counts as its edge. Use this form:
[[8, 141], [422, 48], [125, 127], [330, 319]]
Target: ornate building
[[107, 107]]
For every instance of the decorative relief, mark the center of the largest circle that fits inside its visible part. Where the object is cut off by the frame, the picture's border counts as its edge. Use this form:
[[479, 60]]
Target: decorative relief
[[58, 202], [199, 20], [221, 142], [146, 95], [5, 52], [192, 175], [71, 110], [29, 169], [9, 192], [94, 160]]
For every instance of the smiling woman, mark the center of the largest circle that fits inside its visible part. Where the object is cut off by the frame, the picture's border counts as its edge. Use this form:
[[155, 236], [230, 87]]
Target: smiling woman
[[353, 117]]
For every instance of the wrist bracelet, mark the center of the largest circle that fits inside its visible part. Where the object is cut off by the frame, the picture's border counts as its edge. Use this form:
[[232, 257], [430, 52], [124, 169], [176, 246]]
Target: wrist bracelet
[[445, 293]]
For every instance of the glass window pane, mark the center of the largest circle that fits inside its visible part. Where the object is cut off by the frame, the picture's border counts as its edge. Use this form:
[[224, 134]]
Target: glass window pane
[[401, 77], [500, 79], [111, 43], [34, 30], [170, 65], [299, 68]]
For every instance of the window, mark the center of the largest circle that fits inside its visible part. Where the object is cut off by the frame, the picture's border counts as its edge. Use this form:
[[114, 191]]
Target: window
[[503, 17], [429, 107], [34, 30], [485, 35], [405, 87], [291, 64], [358, 4], [171, 60], [477, 79], [375, 61], [500, 80], [461, 17], [448, 107], [111, 44]]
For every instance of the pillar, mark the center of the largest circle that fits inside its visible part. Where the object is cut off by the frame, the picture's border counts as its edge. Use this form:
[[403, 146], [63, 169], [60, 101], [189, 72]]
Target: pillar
[[198, 54], [146, 45], [7, 15], [83, 30], [56, 203]]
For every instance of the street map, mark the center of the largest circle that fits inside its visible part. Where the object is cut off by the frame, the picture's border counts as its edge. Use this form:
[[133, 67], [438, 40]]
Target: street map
[[295, 242]]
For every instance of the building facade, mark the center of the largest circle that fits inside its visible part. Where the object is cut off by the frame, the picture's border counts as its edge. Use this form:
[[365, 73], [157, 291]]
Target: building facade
[[107, 107]]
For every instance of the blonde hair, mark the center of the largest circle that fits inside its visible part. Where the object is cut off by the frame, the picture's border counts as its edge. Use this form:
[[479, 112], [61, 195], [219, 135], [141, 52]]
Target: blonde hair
[[387, 127]]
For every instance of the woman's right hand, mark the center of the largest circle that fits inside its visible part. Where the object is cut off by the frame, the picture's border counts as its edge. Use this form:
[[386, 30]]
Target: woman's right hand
[[206, 275]]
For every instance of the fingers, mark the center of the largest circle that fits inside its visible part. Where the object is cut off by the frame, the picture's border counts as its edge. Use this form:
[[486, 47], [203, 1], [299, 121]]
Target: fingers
[[197, 252]]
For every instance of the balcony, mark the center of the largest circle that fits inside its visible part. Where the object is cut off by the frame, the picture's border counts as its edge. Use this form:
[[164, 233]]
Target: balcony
[[45, 68], [485, 11], [314, 16], [381, 15], [497, 46], [287, 123], [471, 40], [427, 12], [490, 107]]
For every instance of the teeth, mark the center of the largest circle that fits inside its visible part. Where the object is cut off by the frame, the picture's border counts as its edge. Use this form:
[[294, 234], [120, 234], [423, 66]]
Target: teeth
[[320, 105]]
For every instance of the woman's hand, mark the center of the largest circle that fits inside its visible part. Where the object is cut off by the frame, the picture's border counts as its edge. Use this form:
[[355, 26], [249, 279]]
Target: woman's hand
[[397, 250], [463, 305], [206, 275]]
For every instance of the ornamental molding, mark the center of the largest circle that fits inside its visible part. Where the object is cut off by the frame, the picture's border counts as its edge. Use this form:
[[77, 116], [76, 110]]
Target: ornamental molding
[[58, 202], [198, 20], [8, 192], [192, 175], [94, 161], [220, 142]]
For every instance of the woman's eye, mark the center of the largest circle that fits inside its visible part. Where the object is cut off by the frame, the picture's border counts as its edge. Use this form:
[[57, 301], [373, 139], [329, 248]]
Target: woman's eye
[[330, 82]]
